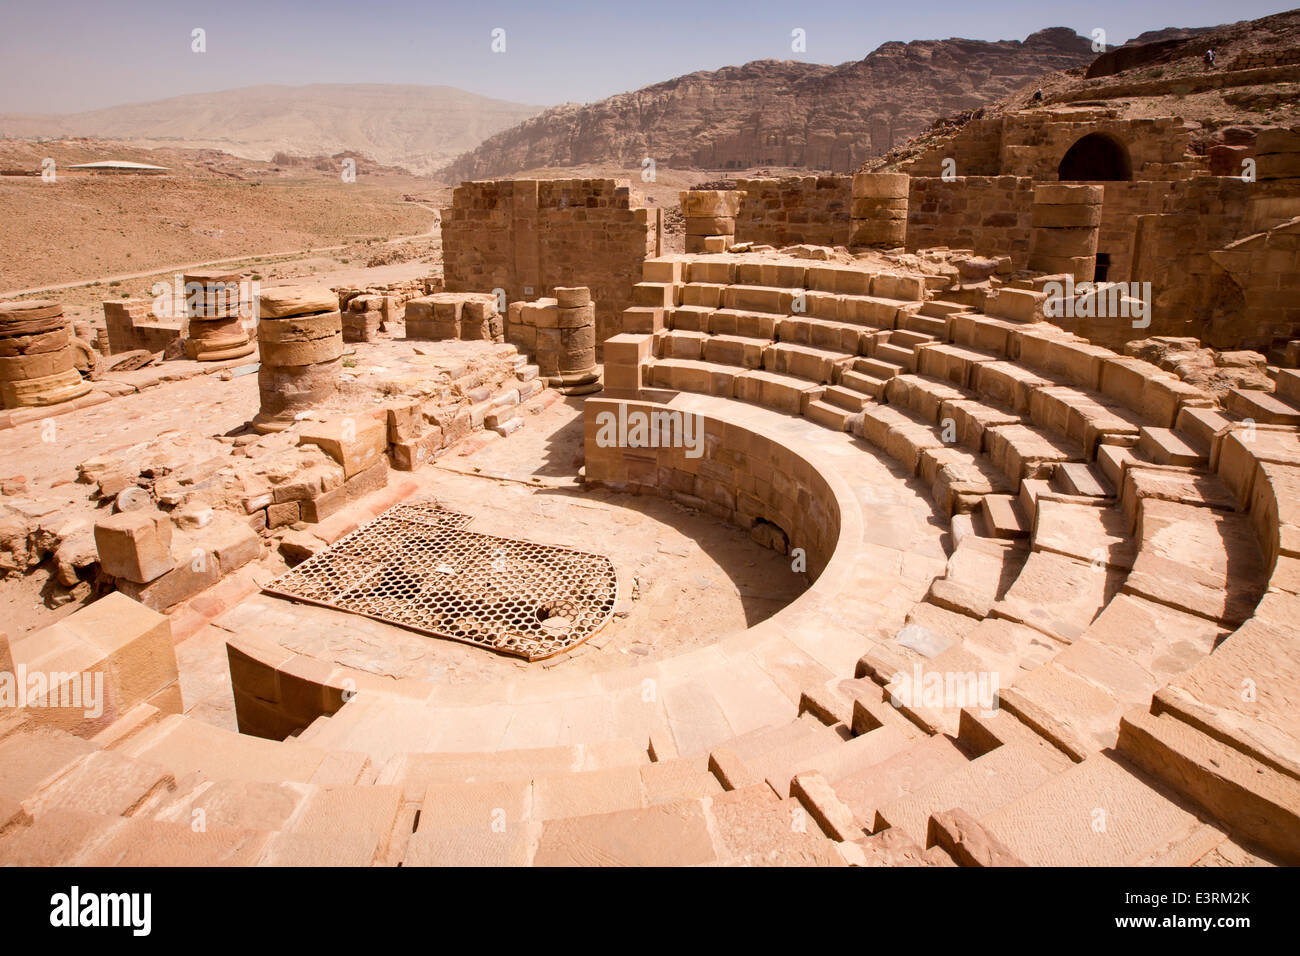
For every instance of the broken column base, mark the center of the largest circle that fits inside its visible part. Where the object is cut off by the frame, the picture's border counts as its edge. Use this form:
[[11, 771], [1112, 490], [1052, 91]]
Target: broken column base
[[47, 390], [195, 350], [575, 383]]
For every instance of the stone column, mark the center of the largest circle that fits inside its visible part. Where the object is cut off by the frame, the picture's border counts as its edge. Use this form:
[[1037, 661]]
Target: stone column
[[576, 320], [37, 360], [710, 214], [879, 214], [1066, 221], [216, 331], [559, 335], [300, 337]]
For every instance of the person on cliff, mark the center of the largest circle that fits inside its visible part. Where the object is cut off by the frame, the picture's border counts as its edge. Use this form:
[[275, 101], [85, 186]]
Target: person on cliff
[[1210, 58]]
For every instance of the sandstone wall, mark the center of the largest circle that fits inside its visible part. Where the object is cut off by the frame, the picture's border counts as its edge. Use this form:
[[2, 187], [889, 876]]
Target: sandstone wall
[[989, 214], [528, 237], [1172, 252], [796, 209], [1033, 142], [1265, 268], [1123, 204]]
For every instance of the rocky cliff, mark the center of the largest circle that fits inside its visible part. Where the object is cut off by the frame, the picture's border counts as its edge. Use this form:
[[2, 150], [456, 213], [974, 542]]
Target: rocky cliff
[[778, 112]]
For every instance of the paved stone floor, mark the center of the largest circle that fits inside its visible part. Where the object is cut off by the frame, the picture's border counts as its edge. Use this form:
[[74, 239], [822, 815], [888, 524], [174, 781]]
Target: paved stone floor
[[685, 578]]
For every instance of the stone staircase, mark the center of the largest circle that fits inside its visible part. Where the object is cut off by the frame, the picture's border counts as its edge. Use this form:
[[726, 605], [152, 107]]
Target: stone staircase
[[980, 495]]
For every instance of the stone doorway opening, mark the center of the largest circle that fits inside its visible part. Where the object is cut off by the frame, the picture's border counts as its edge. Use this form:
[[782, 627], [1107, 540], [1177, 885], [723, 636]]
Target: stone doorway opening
[[1097, 157]]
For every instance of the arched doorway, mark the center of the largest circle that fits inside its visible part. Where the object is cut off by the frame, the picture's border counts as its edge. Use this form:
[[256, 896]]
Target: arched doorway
[[1096, 157]]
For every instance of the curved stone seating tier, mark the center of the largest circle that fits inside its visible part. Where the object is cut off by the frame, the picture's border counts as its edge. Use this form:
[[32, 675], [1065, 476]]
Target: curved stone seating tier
[[812, 483], [1129, 428], [976, 495]]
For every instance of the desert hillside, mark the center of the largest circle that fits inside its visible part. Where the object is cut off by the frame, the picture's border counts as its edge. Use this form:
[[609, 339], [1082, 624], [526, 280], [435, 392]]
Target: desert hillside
[[415, 127], [777, 112], [208, 206]]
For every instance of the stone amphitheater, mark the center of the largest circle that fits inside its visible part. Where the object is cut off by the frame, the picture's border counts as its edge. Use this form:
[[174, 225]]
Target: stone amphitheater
[[902, 571]]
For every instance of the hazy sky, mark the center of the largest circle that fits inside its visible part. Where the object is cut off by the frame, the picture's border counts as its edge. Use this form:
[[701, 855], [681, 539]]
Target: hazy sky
[[59, 56]]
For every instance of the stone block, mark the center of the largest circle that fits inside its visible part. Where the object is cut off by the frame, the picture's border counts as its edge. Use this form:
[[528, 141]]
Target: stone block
[[355, 442], [135, 545]]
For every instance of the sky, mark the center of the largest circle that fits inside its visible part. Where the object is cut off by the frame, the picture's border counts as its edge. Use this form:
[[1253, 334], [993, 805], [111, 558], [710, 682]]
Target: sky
[[63, 56]]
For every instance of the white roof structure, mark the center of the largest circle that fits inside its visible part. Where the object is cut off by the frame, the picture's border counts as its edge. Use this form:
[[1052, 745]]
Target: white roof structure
[[121, 165]]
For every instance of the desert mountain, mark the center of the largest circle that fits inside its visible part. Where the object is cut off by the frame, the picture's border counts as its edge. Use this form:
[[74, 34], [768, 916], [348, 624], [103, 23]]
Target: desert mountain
[[415, 127], [779, 112]]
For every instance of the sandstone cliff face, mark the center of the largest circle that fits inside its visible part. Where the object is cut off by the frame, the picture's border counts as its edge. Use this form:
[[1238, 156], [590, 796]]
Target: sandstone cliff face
[[778, 112]]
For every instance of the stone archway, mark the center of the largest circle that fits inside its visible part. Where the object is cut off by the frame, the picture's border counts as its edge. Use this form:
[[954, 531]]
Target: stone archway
[[1097, 157]]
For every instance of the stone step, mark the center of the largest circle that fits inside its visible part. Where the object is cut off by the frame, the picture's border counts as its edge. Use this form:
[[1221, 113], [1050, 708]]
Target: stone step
[[1058, 596], [1264, 408], [1164, 446], [979, 572], [953, 363], [1286, 388], [689, 318], [313, 729], [1198, 426], [73, 838], [678, 779], [707, 378], [828, 414], [935, 326], [1004, 517], [924, 761], [1202, 561], [784, 393], [1101, 812], [1026, 451], [980, 787], [870, 385], [899, 355], [822, 333], [1112, 460], [849, 757], [744, 322], [739, 350], [1081, 478], [1257, 801], [844, 397], [908, 338], [183, 746], [923, 396], [1181, 485], [1090, 534], [821, 366], [877, 368], [680, 344], [941, 309], [35, 757]]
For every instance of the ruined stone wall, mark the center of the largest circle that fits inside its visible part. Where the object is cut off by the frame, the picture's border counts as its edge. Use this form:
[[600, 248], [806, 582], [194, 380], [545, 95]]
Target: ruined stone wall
[[976, 149], [1123, 204], [989, 214], [528, 237], [1172, 251], [1033, 142], [796, 209], [1265, 269]]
